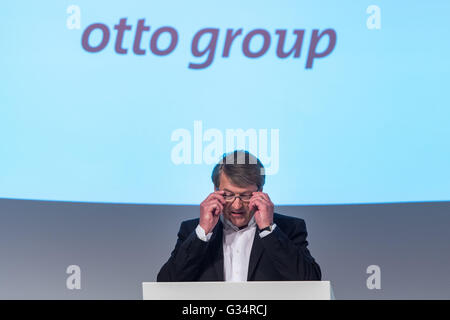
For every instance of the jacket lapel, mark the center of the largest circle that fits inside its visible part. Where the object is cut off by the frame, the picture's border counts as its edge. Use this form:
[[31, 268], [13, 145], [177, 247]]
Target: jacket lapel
[[255, 255], [218, 250]]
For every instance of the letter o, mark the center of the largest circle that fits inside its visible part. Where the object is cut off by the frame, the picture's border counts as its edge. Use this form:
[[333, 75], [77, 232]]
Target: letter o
[[173, 41], [87, 32], [248, 38]]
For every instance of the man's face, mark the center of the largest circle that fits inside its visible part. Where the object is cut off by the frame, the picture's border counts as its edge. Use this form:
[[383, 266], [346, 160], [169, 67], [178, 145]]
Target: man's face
[[236, 211]]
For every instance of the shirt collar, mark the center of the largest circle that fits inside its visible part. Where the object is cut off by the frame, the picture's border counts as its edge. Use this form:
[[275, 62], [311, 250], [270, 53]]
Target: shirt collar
[[227, 224]]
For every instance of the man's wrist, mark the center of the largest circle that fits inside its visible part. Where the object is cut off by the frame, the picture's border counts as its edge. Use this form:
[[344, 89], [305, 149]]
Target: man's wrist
[[267, 230], [204, 228], [201, 234], [265, 226]]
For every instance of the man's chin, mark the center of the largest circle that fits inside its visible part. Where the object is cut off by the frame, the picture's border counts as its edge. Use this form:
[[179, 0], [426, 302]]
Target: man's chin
[[238, 221]]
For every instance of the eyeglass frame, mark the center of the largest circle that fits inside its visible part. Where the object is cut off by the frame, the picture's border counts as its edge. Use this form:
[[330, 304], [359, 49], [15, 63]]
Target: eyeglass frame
[[238, 196]]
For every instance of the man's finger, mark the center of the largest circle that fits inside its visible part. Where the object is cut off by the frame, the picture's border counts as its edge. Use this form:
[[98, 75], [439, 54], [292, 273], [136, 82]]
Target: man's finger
[[219, 192], [265, 196], [215, 196], [251, 205], [257, 202], [259, 197], [215, 204], [218, 197]]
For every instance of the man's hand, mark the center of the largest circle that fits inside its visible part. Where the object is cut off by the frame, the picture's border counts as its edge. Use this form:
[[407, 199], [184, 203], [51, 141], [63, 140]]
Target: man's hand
[[210, 210], [263, 206]]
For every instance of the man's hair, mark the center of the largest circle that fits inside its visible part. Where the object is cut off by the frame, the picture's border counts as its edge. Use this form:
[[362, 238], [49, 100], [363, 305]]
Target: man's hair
[[242, 168]]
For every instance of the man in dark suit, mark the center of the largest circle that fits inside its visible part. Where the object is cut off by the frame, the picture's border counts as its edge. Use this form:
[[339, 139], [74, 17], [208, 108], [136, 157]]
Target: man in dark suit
[[238, 237]]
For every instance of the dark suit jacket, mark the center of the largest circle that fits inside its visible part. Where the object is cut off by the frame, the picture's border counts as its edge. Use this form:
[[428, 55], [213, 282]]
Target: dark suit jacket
[[280, 256]]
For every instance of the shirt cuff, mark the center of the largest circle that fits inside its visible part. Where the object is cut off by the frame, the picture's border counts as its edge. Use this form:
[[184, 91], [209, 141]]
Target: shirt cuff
[[201, 234], [267, 232]]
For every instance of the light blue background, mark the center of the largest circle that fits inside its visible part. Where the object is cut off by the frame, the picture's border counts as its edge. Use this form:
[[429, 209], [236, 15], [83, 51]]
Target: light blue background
[[369, 123]]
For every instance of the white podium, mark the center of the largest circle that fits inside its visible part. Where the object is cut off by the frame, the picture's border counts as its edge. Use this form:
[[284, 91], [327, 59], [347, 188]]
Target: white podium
[[251, 290]]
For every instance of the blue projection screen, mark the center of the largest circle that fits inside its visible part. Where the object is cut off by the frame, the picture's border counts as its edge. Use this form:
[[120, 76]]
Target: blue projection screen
[[135, 102]]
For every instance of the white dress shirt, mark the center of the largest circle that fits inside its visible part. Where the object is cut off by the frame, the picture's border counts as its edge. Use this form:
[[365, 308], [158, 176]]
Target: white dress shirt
[[237, 246]]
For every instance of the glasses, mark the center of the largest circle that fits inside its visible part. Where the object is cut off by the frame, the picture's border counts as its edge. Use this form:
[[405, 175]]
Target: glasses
[[230, 197]]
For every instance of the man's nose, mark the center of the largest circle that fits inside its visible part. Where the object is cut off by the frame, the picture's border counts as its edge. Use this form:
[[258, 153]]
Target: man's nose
[[237, 203]]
